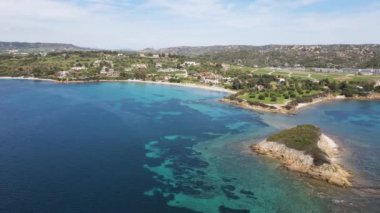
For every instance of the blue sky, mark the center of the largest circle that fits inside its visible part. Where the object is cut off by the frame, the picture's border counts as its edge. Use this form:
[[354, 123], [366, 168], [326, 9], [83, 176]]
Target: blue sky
[[117, 24]]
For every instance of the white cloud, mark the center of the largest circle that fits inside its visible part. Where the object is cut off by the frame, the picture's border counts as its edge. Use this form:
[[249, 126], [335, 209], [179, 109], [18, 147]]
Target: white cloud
[[161, 23], [266, 6]]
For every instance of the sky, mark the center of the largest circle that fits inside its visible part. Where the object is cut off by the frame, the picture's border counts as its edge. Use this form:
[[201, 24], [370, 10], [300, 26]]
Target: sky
[[138, 24]]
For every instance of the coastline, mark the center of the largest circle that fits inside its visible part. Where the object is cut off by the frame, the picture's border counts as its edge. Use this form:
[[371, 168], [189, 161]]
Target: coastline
[[188, 85], [329, 98], [298, 161], [257, 108], [294, 110], [272, 108]]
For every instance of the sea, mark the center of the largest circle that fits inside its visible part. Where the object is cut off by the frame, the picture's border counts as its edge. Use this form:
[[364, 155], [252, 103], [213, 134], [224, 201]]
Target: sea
[[135, 147]]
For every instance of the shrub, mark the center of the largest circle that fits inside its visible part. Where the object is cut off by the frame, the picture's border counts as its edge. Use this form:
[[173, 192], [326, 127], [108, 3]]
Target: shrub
[[273, 99], [240, 100], [377, 89], [348, 93], [261, 97], [303, 138]]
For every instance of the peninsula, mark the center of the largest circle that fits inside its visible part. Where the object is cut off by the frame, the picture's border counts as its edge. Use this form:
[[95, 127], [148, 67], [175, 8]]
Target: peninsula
[[305, 149]]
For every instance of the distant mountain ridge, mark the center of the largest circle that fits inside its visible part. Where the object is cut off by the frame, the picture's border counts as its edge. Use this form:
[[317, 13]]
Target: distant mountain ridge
[[9, 47], [200, 50], [336, 55], [332, 56]]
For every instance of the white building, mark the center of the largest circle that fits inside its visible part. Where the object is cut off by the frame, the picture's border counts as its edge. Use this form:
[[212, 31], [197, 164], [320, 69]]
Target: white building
[[190, 63], [172, 70], [139, 66], [281, 80], [158, 65], [63, 74], [226, 67], [78, 68], [211, 81], [109, 72], [259, 87], [97, 63]]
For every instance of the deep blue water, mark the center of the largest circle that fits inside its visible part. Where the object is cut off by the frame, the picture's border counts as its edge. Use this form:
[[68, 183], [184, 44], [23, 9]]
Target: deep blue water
[[125, 147]]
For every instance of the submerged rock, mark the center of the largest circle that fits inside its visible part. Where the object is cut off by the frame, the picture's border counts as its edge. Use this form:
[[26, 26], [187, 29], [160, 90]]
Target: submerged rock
[[317, 158]]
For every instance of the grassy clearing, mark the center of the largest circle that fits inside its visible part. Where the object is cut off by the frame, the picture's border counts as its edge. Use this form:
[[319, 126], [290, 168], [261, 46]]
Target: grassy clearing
[[316, 75], [267, 100], [263, 71], [281, 97]]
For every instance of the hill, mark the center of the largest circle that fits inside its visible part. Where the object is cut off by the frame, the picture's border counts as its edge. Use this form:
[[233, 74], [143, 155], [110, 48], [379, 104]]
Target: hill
[[25, 47], [334, 56]]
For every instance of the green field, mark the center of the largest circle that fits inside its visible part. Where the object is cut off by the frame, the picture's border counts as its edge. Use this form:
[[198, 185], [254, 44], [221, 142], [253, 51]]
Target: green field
[[315, 75], [280, 99], [267, 100]]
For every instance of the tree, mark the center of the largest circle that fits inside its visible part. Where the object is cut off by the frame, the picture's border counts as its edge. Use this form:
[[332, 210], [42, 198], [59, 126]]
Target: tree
[[218, 66], [343, 85], [140, 74], [333, 86], [236, 84], [347, 92]]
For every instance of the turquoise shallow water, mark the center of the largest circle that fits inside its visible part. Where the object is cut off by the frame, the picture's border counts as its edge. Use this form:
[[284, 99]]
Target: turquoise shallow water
[[125, 147]]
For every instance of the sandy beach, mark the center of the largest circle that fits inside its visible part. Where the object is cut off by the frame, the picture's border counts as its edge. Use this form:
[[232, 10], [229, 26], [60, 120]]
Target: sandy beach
[[320, 100], [197, 86]]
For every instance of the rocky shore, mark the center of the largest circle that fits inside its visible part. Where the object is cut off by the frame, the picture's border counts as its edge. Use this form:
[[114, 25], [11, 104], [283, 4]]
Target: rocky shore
[[282, 109], [298, 160], [260, 108]]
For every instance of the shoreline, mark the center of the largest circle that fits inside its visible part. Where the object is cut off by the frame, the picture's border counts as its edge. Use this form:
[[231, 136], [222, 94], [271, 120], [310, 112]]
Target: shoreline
[[188, 85], [273, 108], [296, 109], [257, 108], [299, 161]]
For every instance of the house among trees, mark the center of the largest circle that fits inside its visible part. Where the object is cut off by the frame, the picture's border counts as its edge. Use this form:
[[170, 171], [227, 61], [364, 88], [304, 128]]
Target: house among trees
[[210, 78], [139, 66], [158, 65], [78, 68], [259, 87], [190, 63], [63, 74], [226, 67], [281, 80]]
